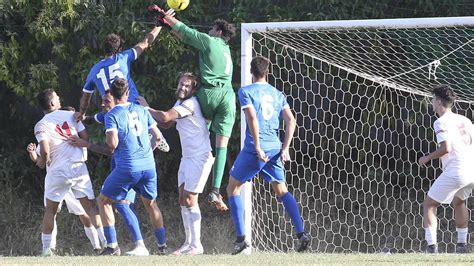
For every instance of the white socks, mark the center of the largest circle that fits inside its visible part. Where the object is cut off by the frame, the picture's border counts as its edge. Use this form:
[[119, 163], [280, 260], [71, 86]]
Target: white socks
[[93, 236], [54, 234], [430, 235], [46, 240], [100, 233], [194, 219], [184, 216], [462, 235]]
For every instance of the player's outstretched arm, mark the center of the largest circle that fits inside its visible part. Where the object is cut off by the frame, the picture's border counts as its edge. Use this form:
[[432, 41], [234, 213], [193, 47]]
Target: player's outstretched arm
[[164, 119], [147, 41], [155, 137], [443, 148], [97, 148], [290, 125], [252, 122], [83, 106]]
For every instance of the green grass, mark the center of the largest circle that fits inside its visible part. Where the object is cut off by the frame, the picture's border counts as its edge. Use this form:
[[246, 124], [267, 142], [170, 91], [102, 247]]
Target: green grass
[[256, 258]]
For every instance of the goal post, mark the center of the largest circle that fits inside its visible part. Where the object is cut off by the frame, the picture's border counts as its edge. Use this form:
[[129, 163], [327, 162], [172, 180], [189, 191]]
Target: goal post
[[360, 91]]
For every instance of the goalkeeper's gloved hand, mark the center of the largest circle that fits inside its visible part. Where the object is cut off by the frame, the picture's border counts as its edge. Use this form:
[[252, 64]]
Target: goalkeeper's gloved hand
[[159, 16]]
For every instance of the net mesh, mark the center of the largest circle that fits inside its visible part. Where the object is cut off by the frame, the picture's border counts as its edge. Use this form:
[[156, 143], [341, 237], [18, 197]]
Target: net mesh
[[362, 102]]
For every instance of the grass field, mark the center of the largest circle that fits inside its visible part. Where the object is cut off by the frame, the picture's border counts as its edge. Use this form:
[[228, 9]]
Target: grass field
[[254, 259]]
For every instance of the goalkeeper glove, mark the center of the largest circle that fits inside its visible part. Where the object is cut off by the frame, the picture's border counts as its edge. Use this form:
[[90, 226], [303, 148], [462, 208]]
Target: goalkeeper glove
[[160, 16]]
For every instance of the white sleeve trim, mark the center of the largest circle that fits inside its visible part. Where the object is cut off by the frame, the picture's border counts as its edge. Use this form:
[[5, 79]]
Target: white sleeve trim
[[87, 91], [111, 129], [152, 125], [97, 120], [134, 53], [286, 106], [246, 106]]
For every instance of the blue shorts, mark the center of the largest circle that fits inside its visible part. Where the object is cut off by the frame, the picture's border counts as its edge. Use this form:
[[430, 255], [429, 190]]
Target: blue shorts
[[118, 184], [247, 166]]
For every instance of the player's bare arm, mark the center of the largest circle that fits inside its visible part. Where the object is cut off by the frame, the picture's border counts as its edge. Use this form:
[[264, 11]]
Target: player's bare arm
[[83, 106], [290, 125], [84, 135], [252, 122], [31, 148], [164, 119], [443, 148], [45, 158], [147, 41], [111, 138], [99, 148], [155, 137]]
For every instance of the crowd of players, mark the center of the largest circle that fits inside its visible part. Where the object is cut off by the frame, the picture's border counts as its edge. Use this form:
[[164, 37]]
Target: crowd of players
[[203, 105]]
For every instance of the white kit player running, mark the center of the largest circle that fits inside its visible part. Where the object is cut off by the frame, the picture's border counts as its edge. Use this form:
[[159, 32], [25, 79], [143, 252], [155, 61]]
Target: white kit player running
[[454, 134], [196, 162], [65, 164]]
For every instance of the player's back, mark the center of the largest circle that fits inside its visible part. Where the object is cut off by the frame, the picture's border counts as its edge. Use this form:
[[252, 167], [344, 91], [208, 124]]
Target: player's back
[[108, 69], [268, 103], [56, 127], [459, 131], [134, 151]]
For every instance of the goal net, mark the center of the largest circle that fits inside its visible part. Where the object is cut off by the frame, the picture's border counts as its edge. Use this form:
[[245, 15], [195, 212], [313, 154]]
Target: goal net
[[360, 91]]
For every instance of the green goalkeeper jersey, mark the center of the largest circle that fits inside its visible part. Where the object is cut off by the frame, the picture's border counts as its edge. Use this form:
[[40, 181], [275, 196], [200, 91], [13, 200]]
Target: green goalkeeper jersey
[[215, 63]]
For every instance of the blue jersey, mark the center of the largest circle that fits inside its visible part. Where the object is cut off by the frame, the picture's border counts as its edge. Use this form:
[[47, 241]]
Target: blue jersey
[[268, 103], [131, 121], [107, 70]]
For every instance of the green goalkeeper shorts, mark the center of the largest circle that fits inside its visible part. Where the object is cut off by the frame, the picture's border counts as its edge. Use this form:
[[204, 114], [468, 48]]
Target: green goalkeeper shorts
[[218, 105]]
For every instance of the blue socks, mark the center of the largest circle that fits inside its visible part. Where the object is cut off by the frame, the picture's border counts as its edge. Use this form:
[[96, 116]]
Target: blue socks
[[110, 234], [130, 219], [292, 209], [160, 235], [237, 212]]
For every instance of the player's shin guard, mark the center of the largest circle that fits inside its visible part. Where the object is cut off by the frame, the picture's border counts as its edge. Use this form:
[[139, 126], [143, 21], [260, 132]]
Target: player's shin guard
[[130, 219], [46, 241], [93, 237], [194, 217], [219, 166], [430, 235], [293, 211], [237, 211], [111, 236], [462, 235], [184, 216], [160, 234]]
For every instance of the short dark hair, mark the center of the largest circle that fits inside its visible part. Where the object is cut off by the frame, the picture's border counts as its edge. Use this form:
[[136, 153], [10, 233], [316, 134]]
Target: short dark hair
[[259, 66], [118, 88], [68, 108], [228, 29], [445, 94], [112, 44], [190, 76], [44, 99]]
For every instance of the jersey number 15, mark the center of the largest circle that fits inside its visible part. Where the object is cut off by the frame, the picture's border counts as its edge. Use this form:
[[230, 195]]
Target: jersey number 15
[[113, 71]]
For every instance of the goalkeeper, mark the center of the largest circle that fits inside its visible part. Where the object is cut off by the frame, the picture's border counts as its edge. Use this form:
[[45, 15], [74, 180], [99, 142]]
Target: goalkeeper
[[216, 95]]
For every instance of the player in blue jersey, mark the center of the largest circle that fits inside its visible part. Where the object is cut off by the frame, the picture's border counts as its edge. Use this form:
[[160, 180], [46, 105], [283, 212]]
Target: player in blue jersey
[[127, 127], [264, 107], [126, 206], [116, 64]]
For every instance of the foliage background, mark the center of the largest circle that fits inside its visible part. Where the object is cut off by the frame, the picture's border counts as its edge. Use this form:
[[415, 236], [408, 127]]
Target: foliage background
[[55, 43]]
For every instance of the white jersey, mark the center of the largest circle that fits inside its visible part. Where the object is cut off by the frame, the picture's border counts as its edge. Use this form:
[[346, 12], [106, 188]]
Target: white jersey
[[458, 130], [192, 128], [56, 127]]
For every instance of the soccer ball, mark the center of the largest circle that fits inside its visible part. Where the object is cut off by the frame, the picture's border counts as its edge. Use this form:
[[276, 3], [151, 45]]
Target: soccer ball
[[178, 5]]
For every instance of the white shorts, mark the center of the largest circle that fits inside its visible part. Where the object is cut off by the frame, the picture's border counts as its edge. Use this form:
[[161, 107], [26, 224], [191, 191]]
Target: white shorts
[[452, 184], [194, 172], [73, 205], [76, 178]]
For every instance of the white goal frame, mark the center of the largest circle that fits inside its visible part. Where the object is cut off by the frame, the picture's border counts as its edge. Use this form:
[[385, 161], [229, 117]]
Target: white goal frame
[[247, 29]]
